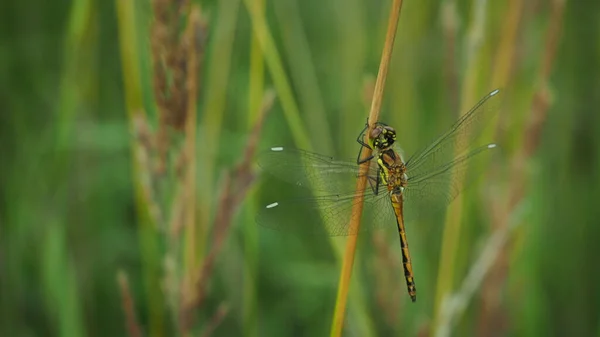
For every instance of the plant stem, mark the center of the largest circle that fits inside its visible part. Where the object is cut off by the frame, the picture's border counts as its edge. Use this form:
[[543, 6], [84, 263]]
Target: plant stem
[[361, 183]]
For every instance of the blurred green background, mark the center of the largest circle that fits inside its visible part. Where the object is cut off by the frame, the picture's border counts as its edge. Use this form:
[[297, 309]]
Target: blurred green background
[[78, 207]]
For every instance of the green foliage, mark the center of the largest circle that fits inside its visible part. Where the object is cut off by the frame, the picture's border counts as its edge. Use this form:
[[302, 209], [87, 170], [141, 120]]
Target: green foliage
[[69, 205]]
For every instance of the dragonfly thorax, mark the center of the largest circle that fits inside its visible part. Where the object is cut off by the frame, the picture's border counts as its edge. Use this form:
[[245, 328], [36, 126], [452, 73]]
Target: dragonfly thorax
[[392, 170]]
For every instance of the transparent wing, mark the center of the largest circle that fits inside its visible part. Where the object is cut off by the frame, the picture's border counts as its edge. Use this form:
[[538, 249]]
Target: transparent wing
[[430, 192], [426, 193], [330, 214], [312, 170], [456, 140], [435, 177]]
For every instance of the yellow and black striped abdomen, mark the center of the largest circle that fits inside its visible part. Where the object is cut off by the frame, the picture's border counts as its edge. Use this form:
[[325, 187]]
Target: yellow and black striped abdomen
[[406, 261]]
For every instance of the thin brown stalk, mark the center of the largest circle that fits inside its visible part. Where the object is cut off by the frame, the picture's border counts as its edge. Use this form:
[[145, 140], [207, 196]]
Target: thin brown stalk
[[215, 320], [132, 325], [169, 63], [193, 43], [144, 148], [361, 183], [134, 102], [235, 186], [176, 60]]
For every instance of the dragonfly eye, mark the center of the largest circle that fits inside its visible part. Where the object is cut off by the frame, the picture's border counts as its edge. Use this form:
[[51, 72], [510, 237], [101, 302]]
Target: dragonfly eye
[[376, 132]]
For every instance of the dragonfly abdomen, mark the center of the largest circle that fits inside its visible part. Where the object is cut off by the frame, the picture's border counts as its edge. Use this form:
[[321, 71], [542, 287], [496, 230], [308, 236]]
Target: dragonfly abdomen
[[393, 174], [406, 261], [392, 170]]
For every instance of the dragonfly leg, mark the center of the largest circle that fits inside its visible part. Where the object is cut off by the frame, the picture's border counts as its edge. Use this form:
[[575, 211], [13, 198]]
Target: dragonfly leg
[[362, 133], [363, 144], [360, 161], [374, 183]]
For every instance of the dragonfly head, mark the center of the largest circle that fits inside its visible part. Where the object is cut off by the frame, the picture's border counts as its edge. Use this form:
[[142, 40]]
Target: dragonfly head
[[382, 136]]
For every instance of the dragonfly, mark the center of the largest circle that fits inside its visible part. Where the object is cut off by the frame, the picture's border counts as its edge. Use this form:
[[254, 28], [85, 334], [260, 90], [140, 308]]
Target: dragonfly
[[398, 191]]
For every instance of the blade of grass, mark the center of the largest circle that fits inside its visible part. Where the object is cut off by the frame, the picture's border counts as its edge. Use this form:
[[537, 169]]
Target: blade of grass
[[351, 45], [60, 281], [503, 68], [58, 268], [82, 26], [192, 79], [503, 76], [277, 72], [452, 228], [540, 105], [217, 77], [255, 98], [303, 72], [361, 183], [450, 28], [126, 20]]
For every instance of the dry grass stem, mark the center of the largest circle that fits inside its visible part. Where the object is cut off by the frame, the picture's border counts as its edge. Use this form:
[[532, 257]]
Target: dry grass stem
[[133, 327], [176, 59], [169, 60], [361, 183], [171, 66], [144, 147]]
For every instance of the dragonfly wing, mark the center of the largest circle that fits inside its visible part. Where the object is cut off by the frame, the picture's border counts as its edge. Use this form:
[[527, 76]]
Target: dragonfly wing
[[329, 214], [430, 192], [460, 136], [312, 170]]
